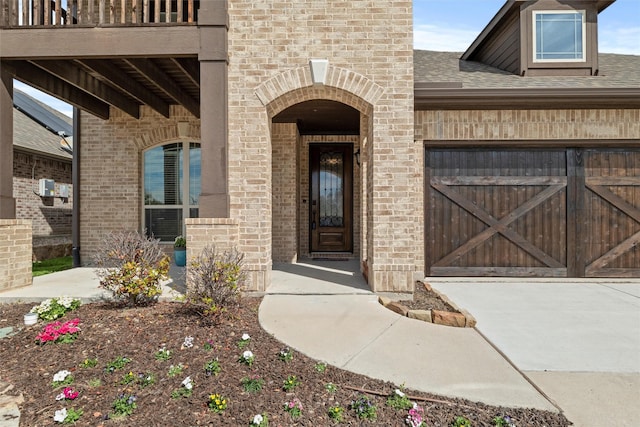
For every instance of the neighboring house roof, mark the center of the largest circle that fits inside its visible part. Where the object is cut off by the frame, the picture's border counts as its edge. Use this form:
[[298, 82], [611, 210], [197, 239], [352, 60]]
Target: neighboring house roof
[[36, 127], [440, 75]]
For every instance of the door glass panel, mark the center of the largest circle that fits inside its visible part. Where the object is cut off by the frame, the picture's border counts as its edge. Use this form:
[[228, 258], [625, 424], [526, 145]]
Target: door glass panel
[[331, 189]]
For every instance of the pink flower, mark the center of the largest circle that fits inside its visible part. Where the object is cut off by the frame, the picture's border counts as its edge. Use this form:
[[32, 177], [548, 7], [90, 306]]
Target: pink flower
[[54, 330], [69, 393]]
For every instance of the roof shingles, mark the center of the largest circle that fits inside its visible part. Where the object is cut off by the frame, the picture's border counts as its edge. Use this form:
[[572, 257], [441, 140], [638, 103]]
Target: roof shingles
[[616, 71]]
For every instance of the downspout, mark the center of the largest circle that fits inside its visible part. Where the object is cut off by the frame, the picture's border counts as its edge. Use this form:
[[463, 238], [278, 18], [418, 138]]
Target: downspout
[[75, 180]]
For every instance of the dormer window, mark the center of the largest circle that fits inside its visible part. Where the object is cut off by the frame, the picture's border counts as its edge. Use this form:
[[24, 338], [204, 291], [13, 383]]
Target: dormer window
[[559, 36], [541, 38]]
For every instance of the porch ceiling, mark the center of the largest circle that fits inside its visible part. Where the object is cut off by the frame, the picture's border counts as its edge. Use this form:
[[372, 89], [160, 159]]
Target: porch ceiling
[[93, 83], [322, 117]]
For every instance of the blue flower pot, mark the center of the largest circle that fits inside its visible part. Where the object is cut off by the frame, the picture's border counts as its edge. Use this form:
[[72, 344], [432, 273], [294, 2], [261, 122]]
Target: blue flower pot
[[180, 256]]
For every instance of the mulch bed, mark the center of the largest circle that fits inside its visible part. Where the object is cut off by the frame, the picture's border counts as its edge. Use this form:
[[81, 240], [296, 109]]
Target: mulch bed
[[426, 299], [109, 332]]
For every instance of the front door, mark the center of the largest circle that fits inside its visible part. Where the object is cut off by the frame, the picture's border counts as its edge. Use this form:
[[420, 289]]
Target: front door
[[331, 197]]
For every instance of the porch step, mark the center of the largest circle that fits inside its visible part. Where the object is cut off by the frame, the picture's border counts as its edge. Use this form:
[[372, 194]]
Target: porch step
[[332, 256]]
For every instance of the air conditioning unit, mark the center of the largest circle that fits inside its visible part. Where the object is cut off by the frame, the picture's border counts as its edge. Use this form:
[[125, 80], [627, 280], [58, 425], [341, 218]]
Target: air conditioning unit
[[46, 187], [64, 191]]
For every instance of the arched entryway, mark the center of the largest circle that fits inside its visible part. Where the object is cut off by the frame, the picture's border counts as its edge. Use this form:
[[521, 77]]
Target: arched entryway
[[316, 181]]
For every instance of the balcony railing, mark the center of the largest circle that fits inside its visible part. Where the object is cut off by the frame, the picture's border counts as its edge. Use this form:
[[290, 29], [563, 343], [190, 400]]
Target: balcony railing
[[39, 13]]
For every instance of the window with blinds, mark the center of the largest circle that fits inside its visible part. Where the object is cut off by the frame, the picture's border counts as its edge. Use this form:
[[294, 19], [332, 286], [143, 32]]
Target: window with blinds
[[171, 188]]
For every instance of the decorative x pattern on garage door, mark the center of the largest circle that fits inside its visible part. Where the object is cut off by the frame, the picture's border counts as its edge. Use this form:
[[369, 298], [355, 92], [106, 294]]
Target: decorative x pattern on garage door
[[502, 225], [598, 185]]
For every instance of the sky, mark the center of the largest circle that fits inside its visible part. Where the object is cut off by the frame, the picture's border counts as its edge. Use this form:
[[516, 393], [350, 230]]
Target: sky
[[452, 25]]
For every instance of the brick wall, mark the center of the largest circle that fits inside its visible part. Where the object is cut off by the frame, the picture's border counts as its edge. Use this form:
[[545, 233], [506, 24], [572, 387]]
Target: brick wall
[[111, 171], [370, 53], [223, 233], [50, 216], [15, 253], [527, 124], [286, 194]]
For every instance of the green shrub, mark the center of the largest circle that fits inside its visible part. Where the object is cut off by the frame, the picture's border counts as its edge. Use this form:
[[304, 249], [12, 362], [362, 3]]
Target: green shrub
[[131, 266], [214, 282]]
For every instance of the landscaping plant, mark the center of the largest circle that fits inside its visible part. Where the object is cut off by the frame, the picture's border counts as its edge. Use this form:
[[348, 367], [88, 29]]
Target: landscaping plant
[[217, 403], [294, 408], [214, 282], [399, 400], [124, 405], [364, 409], [252, 384], [290, 383], [53, 308], [57, 332], [461, 422], [131, 266], [67, 416]]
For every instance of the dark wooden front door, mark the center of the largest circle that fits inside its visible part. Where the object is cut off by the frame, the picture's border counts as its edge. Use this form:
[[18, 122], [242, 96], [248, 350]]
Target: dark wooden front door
[[558, 213], [330, 219]]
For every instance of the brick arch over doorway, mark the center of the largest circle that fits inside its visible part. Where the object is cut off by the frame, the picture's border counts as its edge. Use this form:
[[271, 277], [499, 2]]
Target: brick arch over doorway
[[295, 85]]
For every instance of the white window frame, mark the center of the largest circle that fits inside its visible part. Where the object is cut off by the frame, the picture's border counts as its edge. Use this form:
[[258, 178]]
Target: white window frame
[[534, 40], [186, 205]]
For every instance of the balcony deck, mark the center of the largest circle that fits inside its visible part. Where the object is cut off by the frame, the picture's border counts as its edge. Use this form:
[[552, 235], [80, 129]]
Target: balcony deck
[[98, 54], [47, 13]]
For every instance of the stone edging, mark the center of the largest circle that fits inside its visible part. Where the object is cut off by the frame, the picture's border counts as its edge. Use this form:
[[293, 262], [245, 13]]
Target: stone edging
[[463, 319]]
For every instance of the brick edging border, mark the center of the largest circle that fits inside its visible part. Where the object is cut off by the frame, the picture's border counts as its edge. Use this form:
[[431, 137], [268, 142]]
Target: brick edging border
[[462, 319]]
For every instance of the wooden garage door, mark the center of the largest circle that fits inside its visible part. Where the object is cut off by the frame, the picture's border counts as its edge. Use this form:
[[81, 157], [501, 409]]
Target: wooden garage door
[[497, 213], [611, 213], [536, 213]]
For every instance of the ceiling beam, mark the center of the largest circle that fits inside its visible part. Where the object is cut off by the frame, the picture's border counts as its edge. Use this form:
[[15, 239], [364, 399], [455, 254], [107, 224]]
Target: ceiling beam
[[79, 78], [126, 84], [40, 79], [165, 83], [190, 67]]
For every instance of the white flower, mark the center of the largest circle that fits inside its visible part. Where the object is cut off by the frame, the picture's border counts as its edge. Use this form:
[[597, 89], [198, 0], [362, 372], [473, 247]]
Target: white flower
[[60, 415], [245, 337], [66, 301], [188, 342], [61, 396], [399, 393], [247, 355], [257, 420], [187, 383], [61, 375]]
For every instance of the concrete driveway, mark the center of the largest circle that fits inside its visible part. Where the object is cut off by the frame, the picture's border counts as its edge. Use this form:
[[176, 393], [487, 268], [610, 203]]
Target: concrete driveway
[[578, 341]]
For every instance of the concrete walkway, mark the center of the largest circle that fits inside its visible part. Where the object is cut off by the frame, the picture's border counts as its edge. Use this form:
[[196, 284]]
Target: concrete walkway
[[579, 341], [323, 310]]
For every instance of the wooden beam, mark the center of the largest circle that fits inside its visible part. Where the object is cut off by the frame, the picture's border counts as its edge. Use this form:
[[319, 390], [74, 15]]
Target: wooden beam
[[158, 77], [47, 83], [126, 84], [190, 68], [86, 82], [105, 42]]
